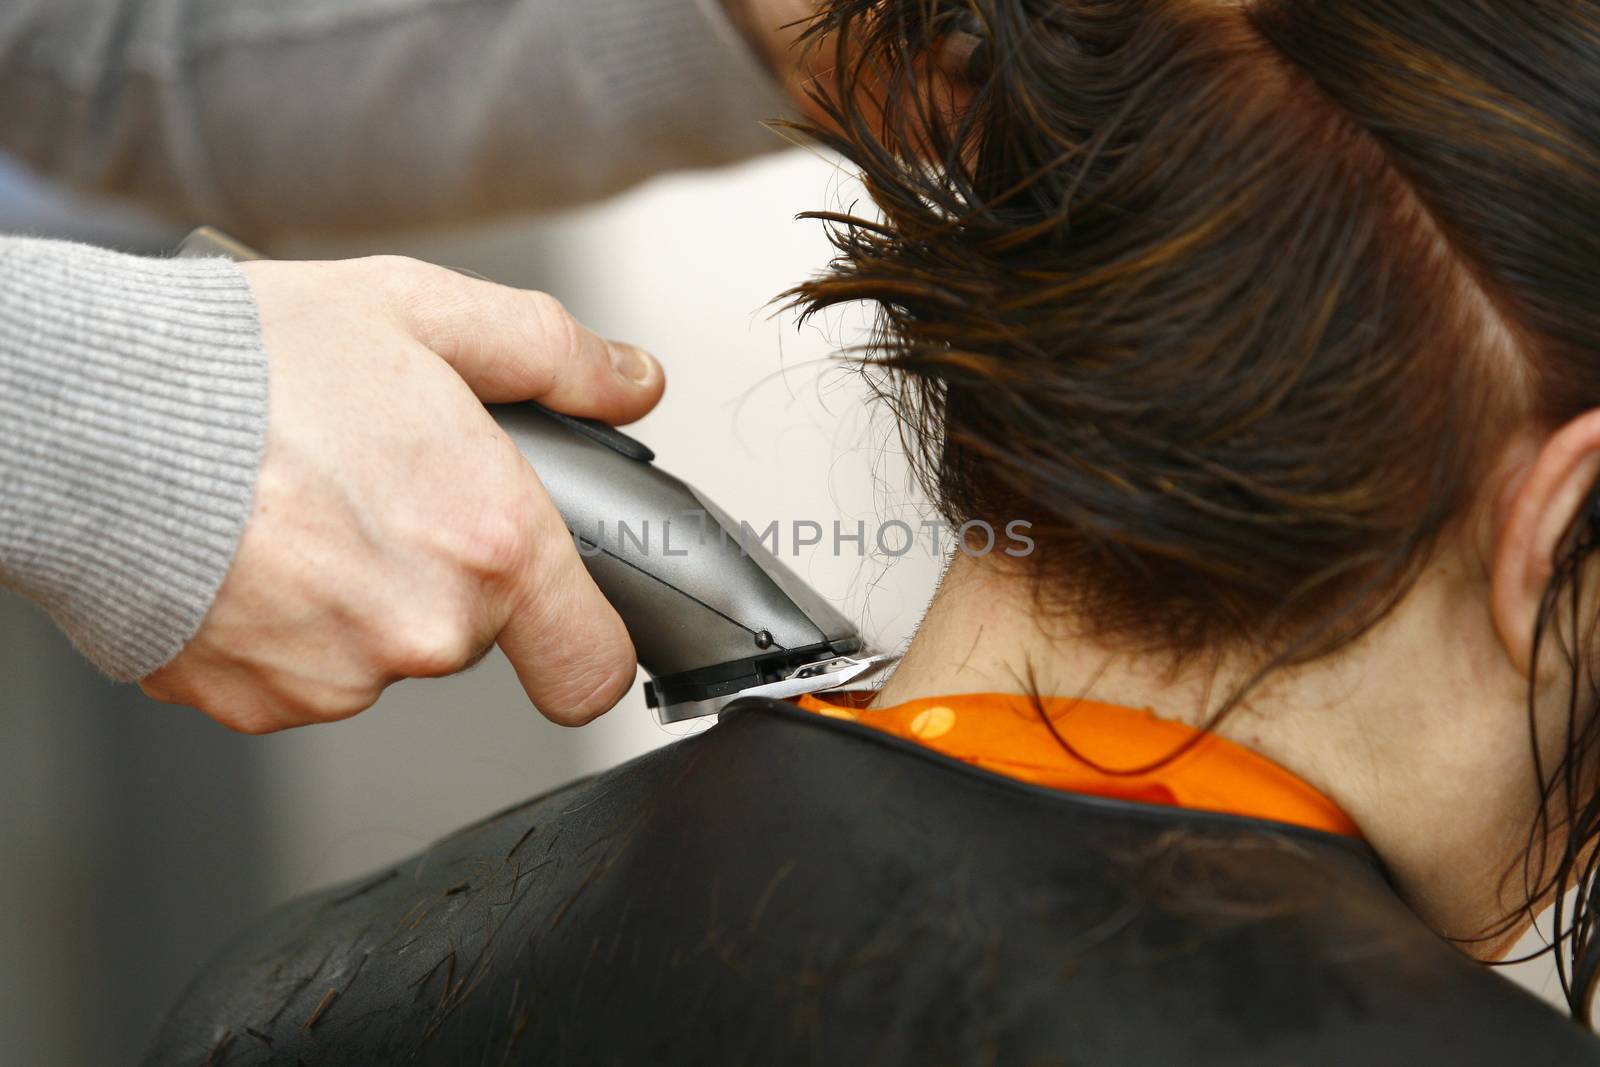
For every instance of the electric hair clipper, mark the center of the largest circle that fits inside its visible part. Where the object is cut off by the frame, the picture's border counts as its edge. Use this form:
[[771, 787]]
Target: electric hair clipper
[[713, 614]]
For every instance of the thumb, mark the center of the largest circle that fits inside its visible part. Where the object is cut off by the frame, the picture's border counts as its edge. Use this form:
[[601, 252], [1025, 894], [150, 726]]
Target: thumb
[[516, 344]]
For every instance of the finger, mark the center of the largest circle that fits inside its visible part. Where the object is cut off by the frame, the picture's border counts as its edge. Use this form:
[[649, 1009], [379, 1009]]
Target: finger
[[228, 702], [515, 344], [241, 702], [161, 687], [569, 646]]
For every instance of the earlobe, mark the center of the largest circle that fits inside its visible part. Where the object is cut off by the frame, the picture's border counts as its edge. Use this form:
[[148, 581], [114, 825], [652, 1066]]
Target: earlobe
[[1545, 490]]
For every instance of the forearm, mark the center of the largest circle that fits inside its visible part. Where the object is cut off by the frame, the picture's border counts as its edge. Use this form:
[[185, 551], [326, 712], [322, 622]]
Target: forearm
[[133, 403], [356, 113]]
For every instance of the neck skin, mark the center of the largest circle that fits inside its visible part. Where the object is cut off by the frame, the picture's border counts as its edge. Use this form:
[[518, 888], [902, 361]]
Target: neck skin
[[1419, 731]]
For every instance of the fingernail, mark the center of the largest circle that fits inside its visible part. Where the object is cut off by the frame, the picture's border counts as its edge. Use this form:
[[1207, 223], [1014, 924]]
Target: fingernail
[[632, 363]]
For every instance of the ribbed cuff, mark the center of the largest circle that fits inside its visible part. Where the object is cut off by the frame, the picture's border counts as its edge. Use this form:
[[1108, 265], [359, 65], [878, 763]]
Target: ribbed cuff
[[680, 69], [133, 413]]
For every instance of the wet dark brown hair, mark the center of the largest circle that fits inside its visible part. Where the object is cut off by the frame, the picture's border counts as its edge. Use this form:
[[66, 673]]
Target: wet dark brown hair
[[1235, 301]]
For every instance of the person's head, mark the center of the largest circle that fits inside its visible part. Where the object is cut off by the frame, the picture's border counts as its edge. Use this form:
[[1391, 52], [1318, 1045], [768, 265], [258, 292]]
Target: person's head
[[1280, 321]]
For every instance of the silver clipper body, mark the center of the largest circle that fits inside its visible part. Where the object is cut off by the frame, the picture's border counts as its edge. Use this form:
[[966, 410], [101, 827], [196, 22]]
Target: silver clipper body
[[713, 614]]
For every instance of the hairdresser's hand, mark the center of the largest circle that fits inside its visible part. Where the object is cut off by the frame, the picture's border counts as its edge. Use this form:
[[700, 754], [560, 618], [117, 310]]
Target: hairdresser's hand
[[397, 532]]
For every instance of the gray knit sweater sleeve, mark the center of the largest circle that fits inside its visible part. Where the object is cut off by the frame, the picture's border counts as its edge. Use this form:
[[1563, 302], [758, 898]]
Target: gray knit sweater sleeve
[[133, 400], [133, 392]]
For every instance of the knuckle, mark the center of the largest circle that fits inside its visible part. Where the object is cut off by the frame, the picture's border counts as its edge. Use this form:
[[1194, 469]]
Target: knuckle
[[260, 705], [559, 332], [424, 648], [242, 716], [344, 704], [408, 287], [499, 543], [396, 271], [324, 704], [250, 725]]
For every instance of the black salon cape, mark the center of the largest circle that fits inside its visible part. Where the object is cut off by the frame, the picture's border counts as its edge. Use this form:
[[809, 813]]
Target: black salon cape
[[791, 889]]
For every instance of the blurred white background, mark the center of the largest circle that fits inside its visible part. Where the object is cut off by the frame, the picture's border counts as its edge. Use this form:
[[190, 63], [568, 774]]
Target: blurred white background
[[136, 837]]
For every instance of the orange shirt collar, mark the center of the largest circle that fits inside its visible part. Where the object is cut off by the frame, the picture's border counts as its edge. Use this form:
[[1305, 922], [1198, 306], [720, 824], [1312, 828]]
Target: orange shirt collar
[[1109, 751]]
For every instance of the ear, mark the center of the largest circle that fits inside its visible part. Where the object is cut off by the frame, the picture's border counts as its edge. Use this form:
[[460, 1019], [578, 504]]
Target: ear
[[1533, 515]]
